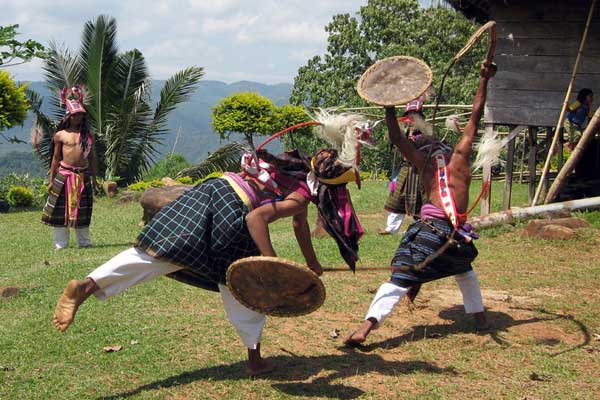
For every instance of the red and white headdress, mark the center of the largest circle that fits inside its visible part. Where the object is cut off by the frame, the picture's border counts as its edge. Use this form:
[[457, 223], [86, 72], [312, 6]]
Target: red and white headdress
[[417, 104], [72, 98]]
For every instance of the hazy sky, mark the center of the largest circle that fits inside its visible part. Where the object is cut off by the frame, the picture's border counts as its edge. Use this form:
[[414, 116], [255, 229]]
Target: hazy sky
[[258, 40]]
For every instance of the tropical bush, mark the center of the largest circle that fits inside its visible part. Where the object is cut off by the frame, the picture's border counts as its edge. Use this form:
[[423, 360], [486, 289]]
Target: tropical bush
[[169, 166], [19, 196], [34, 184], [143, 185], [216, 174], [226, 158], [185, 180]]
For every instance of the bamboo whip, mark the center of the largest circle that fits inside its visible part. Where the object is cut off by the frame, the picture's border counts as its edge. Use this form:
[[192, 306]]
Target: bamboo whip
[[564, 107], [586, 138]]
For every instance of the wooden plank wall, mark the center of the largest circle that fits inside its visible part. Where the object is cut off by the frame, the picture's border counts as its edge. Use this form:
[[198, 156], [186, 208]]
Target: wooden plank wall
[[537, 43]]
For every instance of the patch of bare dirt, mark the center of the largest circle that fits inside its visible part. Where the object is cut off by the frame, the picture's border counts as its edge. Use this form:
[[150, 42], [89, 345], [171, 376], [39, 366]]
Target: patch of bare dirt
[[543, 332]]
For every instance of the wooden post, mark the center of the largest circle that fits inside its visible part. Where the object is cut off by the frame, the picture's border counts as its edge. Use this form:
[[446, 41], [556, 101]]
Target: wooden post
[[575, 156], [486, 200], [548, 143], [561, 159], [510, 161], [532, 131], [522, 163]]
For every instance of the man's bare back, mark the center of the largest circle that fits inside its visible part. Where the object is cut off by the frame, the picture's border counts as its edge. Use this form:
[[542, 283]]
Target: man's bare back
[[459, 169]]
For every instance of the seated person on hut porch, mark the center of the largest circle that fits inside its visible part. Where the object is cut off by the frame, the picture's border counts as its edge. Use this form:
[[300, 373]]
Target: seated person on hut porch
[[440, 243], [579, 111]]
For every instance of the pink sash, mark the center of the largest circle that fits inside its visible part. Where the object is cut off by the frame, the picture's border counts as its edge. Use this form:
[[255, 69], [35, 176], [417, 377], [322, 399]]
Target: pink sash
[[74, 186]]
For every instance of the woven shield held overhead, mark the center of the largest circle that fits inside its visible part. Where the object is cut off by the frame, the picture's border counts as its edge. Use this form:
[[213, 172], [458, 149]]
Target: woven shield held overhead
[[275, 286], [394, 81]]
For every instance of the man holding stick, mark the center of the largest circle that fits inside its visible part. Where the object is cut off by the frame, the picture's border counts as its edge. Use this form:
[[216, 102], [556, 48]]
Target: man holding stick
[[439, 244]]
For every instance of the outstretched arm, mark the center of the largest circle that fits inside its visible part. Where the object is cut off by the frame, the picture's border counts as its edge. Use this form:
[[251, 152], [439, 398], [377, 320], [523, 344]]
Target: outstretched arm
[[295, 205], [463, 147], [302, 232], [400, 140]]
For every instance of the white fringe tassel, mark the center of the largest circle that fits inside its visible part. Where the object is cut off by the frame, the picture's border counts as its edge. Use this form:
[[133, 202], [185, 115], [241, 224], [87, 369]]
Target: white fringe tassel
[[488, 150]]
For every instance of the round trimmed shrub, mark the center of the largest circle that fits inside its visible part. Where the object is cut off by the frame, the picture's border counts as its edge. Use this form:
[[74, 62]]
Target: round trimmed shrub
[[19, 196]]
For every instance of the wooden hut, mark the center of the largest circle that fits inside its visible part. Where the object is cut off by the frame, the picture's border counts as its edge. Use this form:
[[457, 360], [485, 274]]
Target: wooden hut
[[537, 45]]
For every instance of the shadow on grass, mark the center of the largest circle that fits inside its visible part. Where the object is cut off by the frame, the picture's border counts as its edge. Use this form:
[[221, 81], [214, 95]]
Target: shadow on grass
[[499, 322], [107, 245], [292, 370]]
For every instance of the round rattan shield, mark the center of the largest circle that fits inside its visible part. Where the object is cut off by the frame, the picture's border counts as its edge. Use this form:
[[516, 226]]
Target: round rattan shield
[[275, 286], [394, 80]]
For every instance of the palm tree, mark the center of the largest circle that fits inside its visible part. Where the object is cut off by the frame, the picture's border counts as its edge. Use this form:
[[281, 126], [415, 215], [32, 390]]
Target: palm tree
[[126, 128]]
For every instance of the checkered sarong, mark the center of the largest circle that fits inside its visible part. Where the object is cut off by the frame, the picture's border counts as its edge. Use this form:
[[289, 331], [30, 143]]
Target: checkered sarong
[[54, 209], [423, 239], [203, 231]]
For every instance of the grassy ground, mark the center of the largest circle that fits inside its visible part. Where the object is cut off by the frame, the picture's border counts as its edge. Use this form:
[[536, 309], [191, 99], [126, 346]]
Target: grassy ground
[[177, 344]]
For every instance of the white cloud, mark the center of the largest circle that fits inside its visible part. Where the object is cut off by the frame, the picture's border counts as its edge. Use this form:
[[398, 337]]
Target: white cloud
[[263, 40], [214, 7], [231, 24]]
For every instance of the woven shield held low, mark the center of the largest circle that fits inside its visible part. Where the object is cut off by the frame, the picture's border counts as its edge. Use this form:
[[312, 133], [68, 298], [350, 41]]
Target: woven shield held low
[[394, 81], [275, 286]]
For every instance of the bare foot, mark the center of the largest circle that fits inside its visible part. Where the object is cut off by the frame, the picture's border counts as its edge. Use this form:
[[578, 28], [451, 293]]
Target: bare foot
[[360, 335], [73, 295], [260, 367], [355, 339]]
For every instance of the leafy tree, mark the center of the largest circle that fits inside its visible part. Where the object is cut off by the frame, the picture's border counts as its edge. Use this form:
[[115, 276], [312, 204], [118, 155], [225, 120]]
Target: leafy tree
[[381, 29], [13, 105], [127, 129], [247, 113], [385, 28], [14, 52]]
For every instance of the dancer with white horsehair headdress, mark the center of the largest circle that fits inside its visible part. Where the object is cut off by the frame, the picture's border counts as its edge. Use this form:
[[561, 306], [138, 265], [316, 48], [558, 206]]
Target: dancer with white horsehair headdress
[[440, 243], [197, 237]]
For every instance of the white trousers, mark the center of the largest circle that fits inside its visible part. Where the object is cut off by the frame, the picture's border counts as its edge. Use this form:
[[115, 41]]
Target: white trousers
[[394, 221], [134, 266], [389, 295], [61, 237]]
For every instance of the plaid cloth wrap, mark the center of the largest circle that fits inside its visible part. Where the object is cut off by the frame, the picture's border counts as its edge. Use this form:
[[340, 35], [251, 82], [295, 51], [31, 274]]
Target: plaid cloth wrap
[[54, 209], [423, 239], [407, 198], [203, 231]]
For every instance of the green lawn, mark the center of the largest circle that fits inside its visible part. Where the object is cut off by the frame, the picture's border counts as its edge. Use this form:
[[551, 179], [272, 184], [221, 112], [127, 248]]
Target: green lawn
[[542, 298]]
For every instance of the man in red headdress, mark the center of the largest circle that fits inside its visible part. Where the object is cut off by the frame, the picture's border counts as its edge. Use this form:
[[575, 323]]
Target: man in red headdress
[[440, 243], [72, 174]]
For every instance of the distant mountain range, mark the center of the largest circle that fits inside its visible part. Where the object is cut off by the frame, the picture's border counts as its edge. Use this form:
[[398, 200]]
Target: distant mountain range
[[192, 118]]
